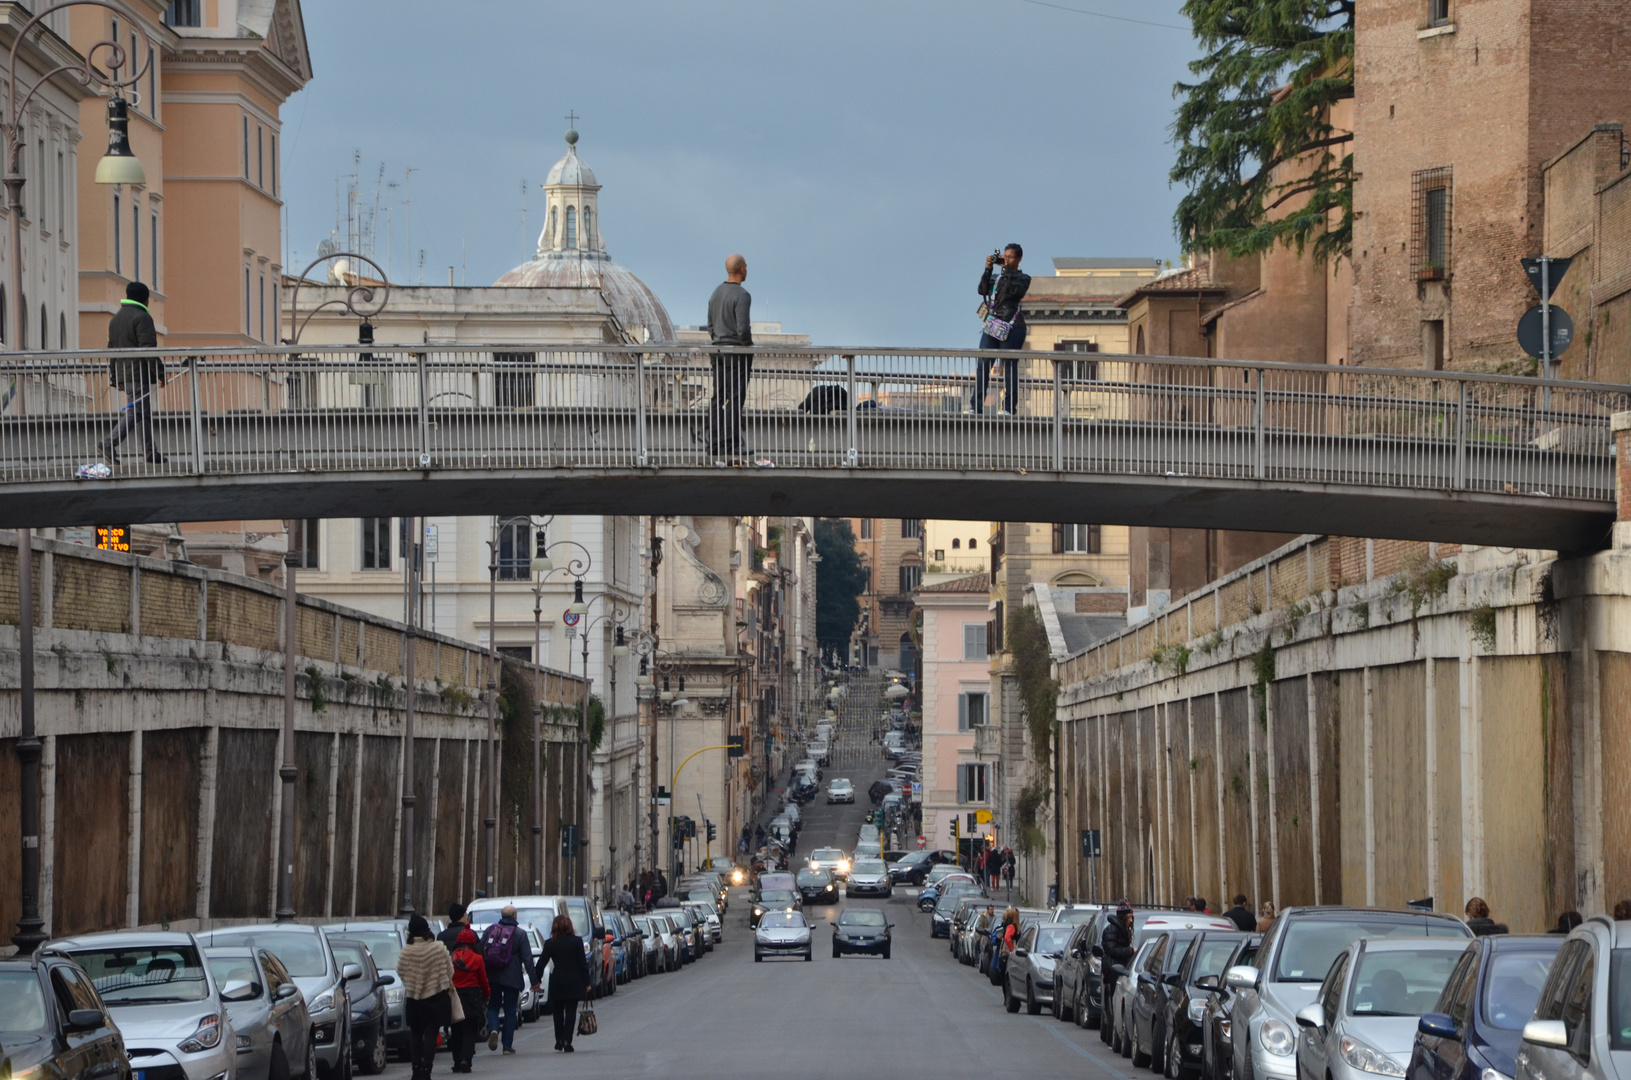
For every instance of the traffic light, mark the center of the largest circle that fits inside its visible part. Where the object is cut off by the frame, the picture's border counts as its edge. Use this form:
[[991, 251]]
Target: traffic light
[[956, 834], [737, 746], [713, 832]]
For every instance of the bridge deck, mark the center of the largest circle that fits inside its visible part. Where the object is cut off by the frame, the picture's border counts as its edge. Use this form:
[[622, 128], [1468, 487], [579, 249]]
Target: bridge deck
[[1133, 440]]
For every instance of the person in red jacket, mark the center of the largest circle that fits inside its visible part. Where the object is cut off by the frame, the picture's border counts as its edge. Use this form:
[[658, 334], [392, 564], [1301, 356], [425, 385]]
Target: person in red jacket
[[470, 981]]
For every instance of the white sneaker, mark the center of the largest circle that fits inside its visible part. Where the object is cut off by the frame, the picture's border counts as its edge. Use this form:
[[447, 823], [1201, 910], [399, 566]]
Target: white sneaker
[[1004, 412], [763, 463]]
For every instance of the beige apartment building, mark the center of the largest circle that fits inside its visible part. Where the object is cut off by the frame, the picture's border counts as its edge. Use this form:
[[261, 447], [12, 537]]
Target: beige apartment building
[[891, 550]]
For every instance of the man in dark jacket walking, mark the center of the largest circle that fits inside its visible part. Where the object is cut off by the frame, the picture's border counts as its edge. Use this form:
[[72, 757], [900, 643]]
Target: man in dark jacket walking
[[730, 323], [509, 960], [1009, 289], [457, 920], [1117, 945], [1241, 914], [132, 328]]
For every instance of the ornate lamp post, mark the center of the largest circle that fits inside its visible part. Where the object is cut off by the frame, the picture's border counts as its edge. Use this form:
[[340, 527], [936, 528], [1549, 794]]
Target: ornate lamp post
[[616, 617], [119, 165], [542, 566], [356, 301]]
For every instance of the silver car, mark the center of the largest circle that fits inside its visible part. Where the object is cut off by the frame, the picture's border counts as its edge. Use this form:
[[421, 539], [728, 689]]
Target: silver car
[[782, 933], [708, 918], [1363, 1021], [159, 991], [306, 955], [384, 938], [1582, 1024], [269, 1022], [1028, 978], [1296, 954], [868, 877]]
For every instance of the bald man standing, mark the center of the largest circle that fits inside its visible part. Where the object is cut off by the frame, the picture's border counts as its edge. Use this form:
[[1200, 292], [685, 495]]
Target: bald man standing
[[730, 323]]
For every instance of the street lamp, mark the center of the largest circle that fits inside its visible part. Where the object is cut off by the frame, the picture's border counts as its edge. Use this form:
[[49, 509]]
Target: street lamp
[[617, 617], [542, 566], [125, 168]]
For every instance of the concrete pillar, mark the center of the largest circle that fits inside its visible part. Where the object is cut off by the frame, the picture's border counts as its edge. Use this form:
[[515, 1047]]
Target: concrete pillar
[[1254, 707], [1430, 760], [1273, 793], [135, 598], [1217, 775], [1621, 424], [1194, 819], [1370, 783], [48, 830], [133, 860], [1314, 764], [331, 811], [208, 767]]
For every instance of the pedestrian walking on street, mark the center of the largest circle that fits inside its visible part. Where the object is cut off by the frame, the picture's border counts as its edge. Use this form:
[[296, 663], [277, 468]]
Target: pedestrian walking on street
[[1117, 945], [730, 322], [470, 980], [457, 920], [1008, 868], [132, 328], [509, 961], [1241, 915], [426, 972], [568, 979], [1003, 328]]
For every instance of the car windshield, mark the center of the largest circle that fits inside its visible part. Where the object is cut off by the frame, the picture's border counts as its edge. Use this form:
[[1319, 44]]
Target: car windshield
[[301, 954], [384, 944], [869, 866], [861, 918], [1513, 985], [146, 976], [826, 854], [840, 785], [780, 919], [776, 896], [1400, 983], [1051, 940], [1619, 1000], [1213, 956], [812, 876], [230, 969], [22, 1006], [1076, 916], [1311, 944]]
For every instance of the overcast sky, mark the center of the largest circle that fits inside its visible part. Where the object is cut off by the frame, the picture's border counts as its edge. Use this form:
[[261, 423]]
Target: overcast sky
[[863, 156]]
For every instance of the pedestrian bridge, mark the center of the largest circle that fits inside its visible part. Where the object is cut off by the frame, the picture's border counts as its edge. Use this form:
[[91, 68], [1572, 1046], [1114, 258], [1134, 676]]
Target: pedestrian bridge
[[411, 430]]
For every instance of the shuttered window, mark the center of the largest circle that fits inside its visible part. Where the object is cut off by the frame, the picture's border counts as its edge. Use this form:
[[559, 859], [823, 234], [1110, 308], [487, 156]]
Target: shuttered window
[[974, 647], [972, 709]]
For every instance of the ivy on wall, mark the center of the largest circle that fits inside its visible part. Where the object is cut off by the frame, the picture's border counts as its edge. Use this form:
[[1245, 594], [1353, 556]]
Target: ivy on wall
[[1039, 700]]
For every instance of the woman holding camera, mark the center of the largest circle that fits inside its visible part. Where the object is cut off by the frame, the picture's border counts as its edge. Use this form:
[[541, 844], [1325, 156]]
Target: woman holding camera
[[1003, 327]]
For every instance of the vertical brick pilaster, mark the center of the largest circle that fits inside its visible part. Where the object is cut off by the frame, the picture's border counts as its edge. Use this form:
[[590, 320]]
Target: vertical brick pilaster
[[1621, 423]]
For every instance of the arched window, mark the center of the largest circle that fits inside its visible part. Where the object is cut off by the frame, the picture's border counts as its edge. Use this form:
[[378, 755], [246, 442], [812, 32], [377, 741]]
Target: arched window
[[62, 331], [552, 223], [45, 328], [1139, 348], [956, 543], [588, 230], [571, 229], [972, 544]]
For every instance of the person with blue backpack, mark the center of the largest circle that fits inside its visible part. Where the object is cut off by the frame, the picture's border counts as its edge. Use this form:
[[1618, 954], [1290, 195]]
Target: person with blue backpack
[[509, 967]]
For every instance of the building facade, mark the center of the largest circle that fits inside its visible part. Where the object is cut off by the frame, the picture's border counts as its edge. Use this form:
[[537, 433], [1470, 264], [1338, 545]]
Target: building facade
[[956, 696], [891, 550]]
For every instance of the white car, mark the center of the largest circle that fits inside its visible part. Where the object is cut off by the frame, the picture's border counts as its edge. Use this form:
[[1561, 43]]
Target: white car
[[831, 859], [782, 933], [840, 791]]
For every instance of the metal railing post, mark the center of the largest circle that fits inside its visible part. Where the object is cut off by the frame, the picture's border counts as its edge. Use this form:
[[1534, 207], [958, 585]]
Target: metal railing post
[[642, 459], [1058, 417], [424, 411], [852, 456], [1259, 467], [1459, 481], [197, 417]]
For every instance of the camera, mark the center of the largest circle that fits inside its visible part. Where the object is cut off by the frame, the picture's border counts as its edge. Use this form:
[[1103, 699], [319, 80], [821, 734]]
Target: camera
[[996, 256]]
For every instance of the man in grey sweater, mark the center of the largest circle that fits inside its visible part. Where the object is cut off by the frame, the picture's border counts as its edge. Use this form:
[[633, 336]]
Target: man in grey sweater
[[729, 323]]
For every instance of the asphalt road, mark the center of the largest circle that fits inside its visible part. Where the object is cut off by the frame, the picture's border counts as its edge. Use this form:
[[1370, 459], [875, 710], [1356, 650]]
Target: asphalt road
[[918, 1014]]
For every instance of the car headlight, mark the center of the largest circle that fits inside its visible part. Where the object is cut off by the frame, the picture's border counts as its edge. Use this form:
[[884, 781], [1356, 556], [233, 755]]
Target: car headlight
[[758, 911], [1368, 1058], [324, 1002], [1095, 965], [207, 1036], [1494, 1074], [243, 1042], [843, 866], [1197, 1010], [1277, 1038], [396, 995]]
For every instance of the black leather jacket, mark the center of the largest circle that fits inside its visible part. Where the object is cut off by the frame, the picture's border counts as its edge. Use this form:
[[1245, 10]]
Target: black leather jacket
[[1118, 946]]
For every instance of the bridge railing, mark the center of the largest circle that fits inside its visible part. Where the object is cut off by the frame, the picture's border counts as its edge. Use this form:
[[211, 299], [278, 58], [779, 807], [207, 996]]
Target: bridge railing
[[399, 407]]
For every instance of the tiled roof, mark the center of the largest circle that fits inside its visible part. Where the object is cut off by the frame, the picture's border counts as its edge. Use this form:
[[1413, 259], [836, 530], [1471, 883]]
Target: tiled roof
[[1179, 281], [974, 583], [1104, 264]]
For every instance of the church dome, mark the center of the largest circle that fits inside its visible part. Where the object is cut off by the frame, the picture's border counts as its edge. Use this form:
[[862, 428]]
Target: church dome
[[572, 253]]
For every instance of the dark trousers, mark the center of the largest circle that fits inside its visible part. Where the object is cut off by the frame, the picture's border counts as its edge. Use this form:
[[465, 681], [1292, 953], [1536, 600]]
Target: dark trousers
[[422, 1047], [509, 999], [1010, 371], [138, 414], [731, 374], [566, 1022], [464, 1034]]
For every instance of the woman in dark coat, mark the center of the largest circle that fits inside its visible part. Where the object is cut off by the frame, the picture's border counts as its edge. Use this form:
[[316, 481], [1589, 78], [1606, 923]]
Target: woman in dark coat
[[568, 979]]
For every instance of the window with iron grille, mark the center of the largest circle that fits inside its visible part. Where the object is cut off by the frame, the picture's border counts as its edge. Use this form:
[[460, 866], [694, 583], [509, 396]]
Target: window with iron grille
[[1431, 192], [514, 385], [514, 549]]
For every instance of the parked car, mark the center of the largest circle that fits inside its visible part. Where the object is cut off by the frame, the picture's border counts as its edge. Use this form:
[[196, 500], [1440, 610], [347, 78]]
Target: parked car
[[661, 944], [782, 933], [269, 1023], [1363, 1019], [1072, 972], [816, 886], [158, 989], [1147, 922], [54, 1025], [967, 910], [861, 930], [977, 929], [1478, 1021], [1580, 1027], [1197, 980], [1152, 990], [367, 996], [384, 938], [631, 940], [1216, 1047], [868, 877], [1076, 914], [1296, 954], [1117, 1017], [1029, 976], [708, 923]]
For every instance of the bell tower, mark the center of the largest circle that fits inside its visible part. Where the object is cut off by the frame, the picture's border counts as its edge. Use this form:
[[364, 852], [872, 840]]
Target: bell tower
[[571, 216]]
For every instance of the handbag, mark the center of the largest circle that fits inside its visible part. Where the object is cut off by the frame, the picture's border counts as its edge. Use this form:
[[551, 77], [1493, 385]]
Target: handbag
[[587, 1024], [457, 1005]]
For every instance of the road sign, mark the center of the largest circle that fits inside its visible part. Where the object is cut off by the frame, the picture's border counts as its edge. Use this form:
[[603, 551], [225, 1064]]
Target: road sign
[[1090, 844], [113, 537], [1530, 335], [983, 817], [569, 841], [570, 617], [1543, 277], [922, 842]]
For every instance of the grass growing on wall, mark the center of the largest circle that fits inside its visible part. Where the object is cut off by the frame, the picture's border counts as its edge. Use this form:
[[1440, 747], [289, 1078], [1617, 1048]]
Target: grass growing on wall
[[1039, 700]]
